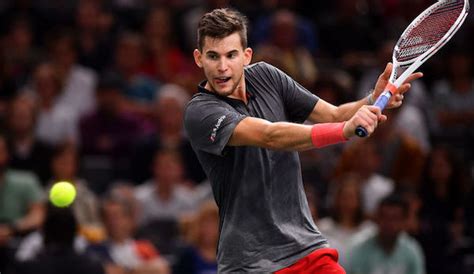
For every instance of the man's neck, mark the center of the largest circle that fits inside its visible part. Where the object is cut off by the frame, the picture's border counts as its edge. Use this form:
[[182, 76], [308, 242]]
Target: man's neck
[[240, 92], [388, 245]]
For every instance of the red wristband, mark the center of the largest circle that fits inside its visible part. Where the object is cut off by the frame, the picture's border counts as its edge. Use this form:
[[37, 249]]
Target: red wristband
[[327, 134]]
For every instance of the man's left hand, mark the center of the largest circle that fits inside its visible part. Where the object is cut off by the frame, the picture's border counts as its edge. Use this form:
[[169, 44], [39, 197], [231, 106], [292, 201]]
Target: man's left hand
[[383, 80]]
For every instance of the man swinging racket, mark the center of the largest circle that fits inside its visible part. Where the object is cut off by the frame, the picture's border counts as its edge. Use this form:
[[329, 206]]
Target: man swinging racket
[[245, 124]]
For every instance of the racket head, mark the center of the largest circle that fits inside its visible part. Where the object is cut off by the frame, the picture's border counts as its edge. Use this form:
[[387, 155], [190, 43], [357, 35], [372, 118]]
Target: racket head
[[427, 33]]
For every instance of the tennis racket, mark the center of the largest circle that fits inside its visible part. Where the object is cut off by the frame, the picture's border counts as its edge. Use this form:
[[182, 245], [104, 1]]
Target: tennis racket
[[425, 35]]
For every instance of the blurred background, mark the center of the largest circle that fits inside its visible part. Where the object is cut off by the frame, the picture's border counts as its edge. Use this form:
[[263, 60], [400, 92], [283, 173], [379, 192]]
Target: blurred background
[[93, 92]]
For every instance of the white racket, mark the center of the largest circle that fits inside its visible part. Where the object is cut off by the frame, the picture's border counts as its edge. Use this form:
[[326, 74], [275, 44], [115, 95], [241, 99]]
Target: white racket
[[430, 31]]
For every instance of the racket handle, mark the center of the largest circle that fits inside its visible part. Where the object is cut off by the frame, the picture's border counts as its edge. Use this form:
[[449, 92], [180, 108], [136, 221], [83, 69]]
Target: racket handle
[[381, 103]]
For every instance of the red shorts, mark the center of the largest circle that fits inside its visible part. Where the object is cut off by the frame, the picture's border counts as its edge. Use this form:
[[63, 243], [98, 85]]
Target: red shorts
[[321, 261]]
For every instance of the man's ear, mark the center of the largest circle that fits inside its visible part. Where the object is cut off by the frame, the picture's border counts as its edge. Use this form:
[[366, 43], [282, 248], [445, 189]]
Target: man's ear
[[248, 52], [197, 57]]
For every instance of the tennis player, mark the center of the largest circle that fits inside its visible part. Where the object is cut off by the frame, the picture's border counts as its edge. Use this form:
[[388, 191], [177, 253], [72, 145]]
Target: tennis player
[[245, 124]]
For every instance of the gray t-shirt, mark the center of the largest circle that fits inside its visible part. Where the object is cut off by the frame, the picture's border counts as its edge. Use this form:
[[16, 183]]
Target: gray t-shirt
[[265, 221]]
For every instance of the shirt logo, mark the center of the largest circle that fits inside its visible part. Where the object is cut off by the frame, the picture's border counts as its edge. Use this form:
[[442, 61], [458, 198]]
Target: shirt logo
[[216, 127]]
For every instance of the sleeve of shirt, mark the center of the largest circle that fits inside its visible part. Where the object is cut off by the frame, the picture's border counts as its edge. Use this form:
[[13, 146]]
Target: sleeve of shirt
[[298, 101], [210, 124]]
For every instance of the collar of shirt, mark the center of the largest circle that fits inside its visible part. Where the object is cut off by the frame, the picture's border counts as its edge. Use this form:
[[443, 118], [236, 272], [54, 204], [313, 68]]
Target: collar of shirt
[[202, 89]]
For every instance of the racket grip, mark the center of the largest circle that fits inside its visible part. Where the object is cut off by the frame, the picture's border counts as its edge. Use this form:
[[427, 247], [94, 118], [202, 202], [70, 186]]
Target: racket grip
[[381, 103]]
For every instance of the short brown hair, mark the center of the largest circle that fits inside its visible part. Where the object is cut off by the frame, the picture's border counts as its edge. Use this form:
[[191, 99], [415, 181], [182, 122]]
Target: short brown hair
[[221, 23]]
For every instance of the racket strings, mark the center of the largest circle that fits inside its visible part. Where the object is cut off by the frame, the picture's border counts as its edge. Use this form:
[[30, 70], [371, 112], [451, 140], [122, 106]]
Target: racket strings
[[429, 30]]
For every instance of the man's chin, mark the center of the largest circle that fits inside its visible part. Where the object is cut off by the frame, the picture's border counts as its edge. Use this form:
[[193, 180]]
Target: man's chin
[[223, 91]]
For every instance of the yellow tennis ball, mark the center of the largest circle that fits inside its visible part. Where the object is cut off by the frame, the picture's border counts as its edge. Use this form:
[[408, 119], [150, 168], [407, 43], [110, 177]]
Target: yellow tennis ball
[[62, 194]]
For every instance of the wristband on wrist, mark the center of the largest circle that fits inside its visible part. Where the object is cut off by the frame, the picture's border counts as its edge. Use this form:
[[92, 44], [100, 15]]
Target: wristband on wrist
[[327, 134]]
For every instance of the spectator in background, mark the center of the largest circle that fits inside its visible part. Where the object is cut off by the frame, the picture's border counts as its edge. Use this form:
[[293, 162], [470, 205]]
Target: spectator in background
[[283, 50], [65, 167], [79, 82], [167, 118], [202, 236], [58, 254], [107, 135], [346, 221], [390, 250], [138, 88], [351, 21], [166, 195], [27, 152], [374, 186], [443, 193], [94, 25], [125, 190], [55, 123], [166, 61], [21, 207], [454, 99], [121, 250], [397, 149], [392, 150], [7, 88], [20, 55]]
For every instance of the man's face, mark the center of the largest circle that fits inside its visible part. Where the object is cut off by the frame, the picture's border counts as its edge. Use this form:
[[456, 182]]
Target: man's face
[[223, 62], [391, 221]]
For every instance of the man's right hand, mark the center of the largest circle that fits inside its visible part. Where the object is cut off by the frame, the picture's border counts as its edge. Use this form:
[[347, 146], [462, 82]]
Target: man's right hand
[[367, 117]]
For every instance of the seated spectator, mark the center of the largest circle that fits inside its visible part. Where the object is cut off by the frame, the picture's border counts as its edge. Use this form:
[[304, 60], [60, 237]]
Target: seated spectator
[[453, 99], [443, 192], [396, 149], [283, 49], [346, 221], [21, 209], [20, 55], [165, 61], [55, 123], [107, 135], [121, 250], [138, 88], [374, 186], [202, 235], [79, 83], [94, 31], [166, 195], [58, 255], [86, 206], [167, 116], [389, 249], [27, 152]]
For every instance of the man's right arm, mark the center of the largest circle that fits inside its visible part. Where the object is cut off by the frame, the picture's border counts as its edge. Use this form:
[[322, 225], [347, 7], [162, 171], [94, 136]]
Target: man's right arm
[[211, 126], [279, 136], [292, 136]]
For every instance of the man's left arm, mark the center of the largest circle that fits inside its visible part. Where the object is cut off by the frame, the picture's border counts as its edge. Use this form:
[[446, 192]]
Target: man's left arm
[[325, 112]]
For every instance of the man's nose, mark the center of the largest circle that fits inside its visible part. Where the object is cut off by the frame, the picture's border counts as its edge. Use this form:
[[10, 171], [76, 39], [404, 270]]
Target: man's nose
[[222, 65]]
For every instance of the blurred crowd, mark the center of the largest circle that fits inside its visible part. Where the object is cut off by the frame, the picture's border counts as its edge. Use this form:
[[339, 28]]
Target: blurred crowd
[[93, 92]]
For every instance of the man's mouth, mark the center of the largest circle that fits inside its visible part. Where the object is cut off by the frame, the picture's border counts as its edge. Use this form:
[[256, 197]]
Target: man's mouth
[[222, 80]]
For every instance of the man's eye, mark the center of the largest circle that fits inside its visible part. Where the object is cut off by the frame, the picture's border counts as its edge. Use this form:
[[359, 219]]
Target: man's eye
[[232, 55], [212, 56]]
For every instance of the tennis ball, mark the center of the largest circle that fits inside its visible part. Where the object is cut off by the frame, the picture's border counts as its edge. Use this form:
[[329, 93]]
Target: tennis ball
[[62, 194]]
